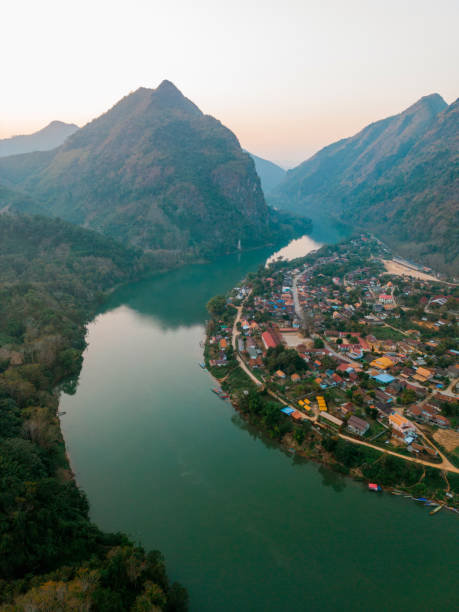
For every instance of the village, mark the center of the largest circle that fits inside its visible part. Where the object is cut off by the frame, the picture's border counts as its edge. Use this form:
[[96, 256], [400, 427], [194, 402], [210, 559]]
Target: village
[[370, 356]]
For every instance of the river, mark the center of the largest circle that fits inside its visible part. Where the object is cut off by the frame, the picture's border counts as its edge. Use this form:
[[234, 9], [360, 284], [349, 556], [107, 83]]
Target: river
[[244, 526]]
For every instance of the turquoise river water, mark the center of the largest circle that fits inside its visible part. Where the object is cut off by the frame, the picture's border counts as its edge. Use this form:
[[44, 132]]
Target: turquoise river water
[[244, 526]]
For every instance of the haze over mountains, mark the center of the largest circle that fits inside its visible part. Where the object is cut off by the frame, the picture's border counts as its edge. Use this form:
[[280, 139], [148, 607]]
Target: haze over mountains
[[157, 173], [153, 171], [270, 173], [398, 177], [50, 137]]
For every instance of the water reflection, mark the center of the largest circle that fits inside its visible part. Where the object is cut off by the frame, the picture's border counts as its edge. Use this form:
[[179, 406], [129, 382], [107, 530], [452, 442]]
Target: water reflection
[[296, 248], [179, 298], [332, 479], [255, 433]]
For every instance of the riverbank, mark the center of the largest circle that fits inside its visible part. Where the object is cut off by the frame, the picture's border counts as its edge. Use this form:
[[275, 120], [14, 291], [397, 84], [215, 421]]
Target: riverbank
[[316, 453], [241, 521], [249, 336], [50, 287]]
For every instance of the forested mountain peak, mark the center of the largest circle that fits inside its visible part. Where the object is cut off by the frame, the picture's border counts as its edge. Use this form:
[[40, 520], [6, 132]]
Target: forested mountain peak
[[398, 176], [153, 171]]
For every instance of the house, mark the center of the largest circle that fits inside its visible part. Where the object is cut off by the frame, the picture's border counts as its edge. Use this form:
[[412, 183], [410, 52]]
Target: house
[[295, 377], [384, 378], [383, 409], [270, 338], [382, 396], [280, 374], [401, 426], [442, 421], [422, 375], [223, 344], [418, 449], [415, 412], [344, 367], [331, 420], [382, 363], [357, 425], [347, 408], [420, 391]]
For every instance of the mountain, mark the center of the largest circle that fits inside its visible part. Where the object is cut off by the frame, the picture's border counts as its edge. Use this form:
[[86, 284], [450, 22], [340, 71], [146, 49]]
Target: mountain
[[153, 171], [397, 177], [270, 174], [50, 137]]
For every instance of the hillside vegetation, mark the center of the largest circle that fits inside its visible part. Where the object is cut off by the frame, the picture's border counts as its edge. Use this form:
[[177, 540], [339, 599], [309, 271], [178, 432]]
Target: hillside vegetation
[[154, 172], [52, 278], [398, 177]]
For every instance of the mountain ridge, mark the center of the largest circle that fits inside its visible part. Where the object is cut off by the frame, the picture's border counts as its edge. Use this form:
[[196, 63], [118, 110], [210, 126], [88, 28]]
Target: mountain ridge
[[153, 171], [270, 173], [386, 178], [49, 137]]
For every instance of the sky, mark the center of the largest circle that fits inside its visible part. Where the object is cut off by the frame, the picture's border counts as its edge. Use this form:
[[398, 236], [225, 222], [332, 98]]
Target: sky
[[288, 77]]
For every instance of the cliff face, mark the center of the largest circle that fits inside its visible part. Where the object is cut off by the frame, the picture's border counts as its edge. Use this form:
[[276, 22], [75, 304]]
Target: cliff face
[[153, 171], [397, 177]]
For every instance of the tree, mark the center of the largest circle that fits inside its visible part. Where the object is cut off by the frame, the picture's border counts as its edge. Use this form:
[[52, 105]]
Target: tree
[[216, 305]]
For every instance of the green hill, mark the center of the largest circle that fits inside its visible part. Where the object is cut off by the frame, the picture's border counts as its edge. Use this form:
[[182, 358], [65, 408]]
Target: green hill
[[398, 177], [155, 172]]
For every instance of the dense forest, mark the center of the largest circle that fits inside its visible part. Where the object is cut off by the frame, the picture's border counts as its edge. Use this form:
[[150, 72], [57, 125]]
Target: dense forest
[[154, 172], [398, 178], [53, 276]]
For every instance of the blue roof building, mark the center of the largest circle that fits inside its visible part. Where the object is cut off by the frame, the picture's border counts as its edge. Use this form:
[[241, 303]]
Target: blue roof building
[[384, 378]]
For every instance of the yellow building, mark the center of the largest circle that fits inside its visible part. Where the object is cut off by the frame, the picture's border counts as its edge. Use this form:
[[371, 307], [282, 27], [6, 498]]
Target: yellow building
[[382, 363]]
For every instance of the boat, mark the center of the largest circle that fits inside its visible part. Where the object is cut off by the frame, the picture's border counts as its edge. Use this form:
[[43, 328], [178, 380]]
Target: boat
[[202, 365], [435, 510], [221, 394], [61, 413], [374, 487]]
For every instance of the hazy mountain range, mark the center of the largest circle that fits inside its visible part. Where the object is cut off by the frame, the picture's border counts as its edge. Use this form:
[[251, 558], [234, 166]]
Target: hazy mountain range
[[153, 171], [398, 177], [55, 134], [50, 137], [270, 173]]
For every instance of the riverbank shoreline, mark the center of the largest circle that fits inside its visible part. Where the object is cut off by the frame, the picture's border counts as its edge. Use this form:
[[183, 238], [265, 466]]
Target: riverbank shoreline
[[230, 319], [290, 447]]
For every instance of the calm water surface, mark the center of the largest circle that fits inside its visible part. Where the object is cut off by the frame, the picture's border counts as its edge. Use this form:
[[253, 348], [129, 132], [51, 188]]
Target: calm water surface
[[243, 525]]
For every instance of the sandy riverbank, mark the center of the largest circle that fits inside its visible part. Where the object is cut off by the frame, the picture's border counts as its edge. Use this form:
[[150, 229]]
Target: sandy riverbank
[[399, 269]]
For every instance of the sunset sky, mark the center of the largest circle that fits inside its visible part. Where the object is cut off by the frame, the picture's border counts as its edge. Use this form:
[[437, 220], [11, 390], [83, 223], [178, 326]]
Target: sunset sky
[[287, 77]]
